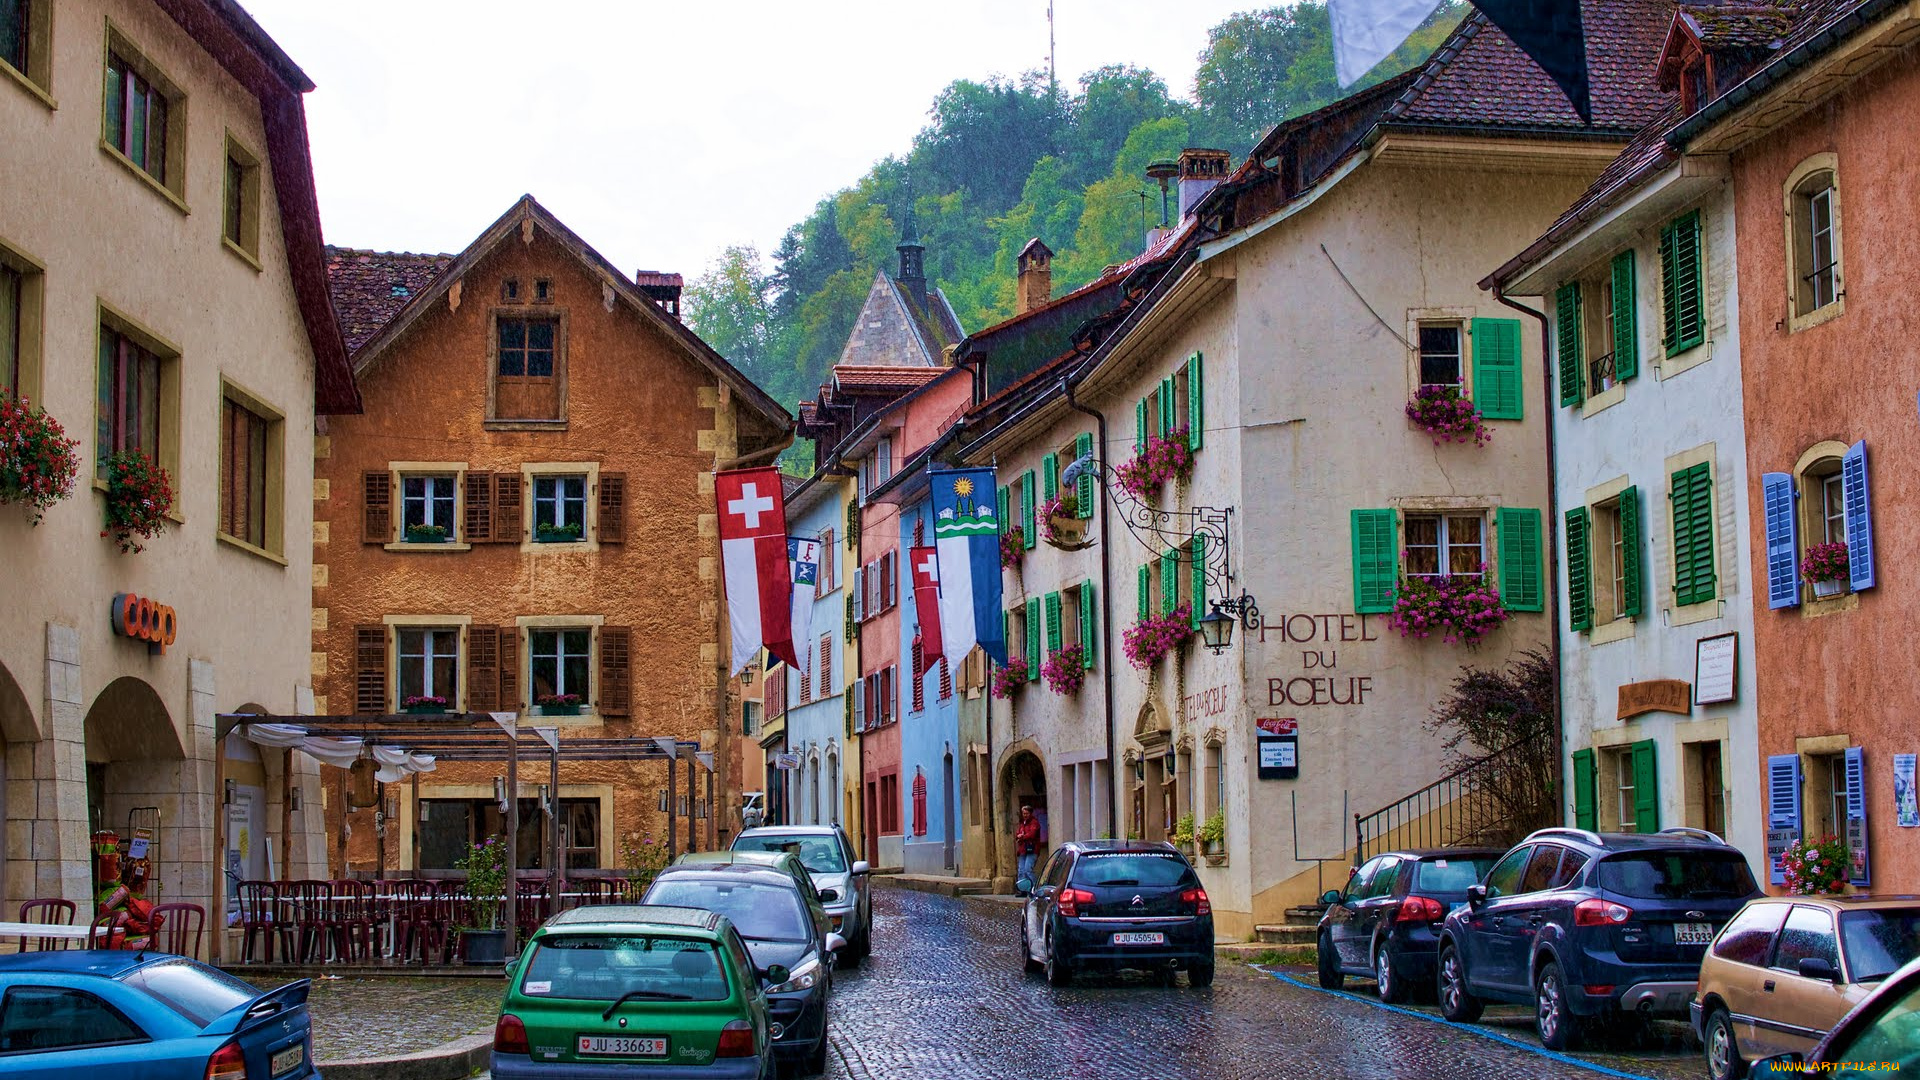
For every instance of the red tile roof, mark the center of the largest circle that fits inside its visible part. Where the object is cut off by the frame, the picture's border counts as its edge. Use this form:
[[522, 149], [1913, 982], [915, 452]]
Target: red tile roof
[[370, 287], [857, 377], [657, 278], [1739, 26]]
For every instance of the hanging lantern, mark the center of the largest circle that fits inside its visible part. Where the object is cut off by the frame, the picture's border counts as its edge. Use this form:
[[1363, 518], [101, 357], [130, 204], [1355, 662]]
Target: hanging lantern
[[360, 789]]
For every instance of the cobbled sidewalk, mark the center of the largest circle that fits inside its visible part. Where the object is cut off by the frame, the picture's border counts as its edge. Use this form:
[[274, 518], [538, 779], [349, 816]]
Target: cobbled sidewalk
[[386, 1017]]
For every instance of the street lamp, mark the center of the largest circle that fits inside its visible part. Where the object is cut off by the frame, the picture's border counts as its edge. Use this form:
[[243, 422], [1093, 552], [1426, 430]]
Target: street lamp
[[1216, 630]]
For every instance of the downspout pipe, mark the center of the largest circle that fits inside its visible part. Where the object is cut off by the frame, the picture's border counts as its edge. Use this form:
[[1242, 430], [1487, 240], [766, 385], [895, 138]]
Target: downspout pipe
[[1106, 624]]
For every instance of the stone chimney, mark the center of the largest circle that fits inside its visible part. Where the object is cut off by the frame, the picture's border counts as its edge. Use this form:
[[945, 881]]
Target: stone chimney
[[913, 272], [662, 288], [1035, 283], [1200, 172]]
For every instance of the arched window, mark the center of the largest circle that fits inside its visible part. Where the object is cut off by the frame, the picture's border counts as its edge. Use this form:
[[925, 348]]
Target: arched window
[[1814, 281], [833, 791]]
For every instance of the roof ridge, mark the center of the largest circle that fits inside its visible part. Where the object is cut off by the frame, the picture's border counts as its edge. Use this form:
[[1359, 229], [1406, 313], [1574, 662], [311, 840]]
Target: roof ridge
[[344, 250]]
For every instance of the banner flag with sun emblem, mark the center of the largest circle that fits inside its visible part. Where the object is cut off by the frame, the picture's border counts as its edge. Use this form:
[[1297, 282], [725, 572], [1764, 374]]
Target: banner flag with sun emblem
[[966, 538]]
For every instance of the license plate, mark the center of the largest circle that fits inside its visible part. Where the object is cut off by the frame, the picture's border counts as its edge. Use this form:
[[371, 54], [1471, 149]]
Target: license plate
[[623, 1045], [287, 1060], [1692, 933], [1139, 939]]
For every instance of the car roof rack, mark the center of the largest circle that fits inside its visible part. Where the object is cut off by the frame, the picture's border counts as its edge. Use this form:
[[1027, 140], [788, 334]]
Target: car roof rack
[[1697, 834], [1561, 830]]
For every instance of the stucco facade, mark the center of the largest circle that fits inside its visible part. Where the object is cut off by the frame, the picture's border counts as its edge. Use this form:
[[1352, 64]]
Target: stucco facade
[[824, 786]]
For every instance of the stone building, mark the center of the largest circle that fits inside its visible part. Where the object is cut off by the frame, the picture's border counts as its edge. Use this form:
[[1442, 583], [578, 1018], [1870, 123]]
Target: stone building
[[522, 520]]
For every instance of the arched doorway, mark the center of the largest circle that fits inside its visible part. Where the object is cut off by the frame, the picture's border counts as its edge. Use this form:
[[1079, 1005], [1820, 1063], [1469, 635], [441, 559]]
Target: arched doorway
[[17, 728], [135, 786], [1153, 778], [1023, 782]]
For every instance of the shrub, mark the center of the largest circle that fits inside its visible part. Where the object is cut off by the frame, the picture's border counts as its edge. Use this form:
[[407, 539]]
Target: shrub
[[1065, 670], [1155, 636], [1826, 562], [1463, 608], [37, 460], [138, 498], [1441, 412]]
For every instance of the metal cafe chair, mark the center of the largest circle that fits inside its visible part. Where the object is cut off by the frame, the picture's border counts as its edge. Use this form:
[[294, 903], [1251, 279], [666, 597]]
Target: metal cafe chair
[[181, 926], [260, 921], [46, 912]]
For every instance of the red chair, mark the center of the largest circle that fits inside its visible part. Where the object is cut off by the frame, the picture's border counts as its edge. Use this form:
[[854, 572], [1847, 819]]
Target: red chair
[[107, 931], [533, 906], [260, 920], [181, 926], [421, 925], [352, 919], [307, 905], [54, 912]]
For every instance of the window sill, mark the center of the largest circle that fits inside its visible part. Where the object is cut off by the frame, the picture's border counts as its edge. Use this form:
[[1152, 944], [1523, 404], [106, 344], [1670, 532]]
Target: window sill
[[1817, 316], [524, 425], [242, 254], [257, 552], [1833, 605], [146, 177], [555, 547], [26, 83], [428, 549], [1694, 613], [1604, 400], [1682, 362], [1620, 629], [173, 513]]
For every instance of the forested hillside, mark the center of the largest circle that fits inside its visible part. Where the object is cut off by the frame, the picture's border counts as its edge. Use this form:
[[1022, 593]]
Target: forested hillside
[[1002, 161]]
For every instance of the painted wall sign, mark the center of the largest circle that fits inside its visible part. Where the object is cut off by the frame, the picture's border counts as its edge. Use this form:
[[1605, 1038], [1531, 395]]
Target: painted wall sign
[[1655, 695], [1310, 687], [144, 620], [1716, 669], [1211, 702], [1278, 725]]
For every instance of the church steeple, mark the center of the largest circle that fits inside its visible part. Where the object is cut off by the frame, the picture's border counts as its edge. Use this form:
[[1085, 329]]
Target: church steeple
[[913, 272]]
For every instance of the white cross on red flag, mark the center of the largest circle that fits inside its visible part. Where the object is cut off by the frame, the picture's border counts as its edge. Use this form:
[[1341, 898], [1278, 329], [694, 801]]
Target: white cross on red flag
[[753, 559], [926, 603]]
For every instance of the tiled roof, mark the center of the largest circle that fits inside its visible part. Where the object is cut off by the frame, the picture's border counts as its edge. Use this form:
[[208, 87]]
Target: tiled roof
[[936, 324], [1731, 26], [857, 377], [370, 287], [657, 278], [1480, 78]]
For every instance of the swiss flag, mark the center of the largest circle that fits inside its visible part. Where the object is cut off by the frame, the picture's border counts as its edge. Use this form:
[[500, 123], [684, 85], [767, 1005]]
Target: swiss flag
[[926, 603], [753, 556]]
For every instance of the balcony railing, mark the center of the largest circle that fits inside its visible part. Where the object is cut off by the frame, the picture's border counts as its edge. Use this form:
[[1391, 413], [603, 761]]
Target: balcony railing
[[1600, 375]]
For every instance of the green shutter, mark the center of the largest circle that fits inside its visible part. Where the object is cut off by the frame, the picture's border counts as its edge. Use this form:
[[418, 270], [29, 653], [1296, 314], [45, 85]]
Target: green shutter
[[1196, 404], [1496, 369], [1566, 304], [1681, 293], [853, 525], [1626, 328], [1633, 583], [1089, 622], [1053, 623], [1693, 571], [1646, 789], [1169, 581], [1168, 420], [1198, 576], [1085, 492], [1145, 592], [1031, 535], [1140, 426], [1585, 810], [1003, 521], [1579, 570], [1033, 638], [1521, 578], [1050, 476], [1376, 560]]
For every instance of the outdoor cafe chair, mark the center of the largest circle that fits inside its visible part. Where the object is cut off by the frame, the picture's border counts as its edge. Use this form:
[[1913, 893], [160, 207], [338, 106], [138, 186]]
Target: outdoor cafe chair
[[260, 920], [417, 904], [352, 919], [106, 932], [46, 912], [181, 926], [305, 905]]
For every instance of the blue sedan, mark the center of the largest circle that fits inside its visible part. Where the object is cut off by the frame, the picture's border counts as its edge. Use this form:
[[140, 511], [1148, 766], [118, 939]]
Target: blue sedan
[[147, 1014]]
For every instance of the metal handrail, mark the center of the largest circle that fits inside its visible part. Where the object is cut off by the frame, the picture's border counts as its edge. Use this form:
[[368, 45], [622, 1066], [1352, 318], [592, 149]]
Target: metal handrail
[[1454, 809]]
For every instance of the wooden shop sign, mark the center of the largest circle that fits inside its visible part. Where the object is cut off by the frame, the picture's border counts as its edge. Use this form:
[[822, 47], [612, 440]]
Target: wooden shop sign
[[145, 620], [1655, 695]]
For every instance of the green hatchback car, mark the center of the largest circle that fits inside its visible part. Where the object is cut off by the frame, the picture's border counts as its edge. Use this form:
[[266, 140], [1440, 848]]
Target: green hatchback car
[[636, 992]]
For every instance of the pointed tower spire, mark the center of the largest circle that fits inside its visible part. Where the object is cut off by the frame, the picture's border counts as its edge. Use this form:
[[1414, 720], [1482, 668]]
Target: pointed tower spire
[[913, 272]]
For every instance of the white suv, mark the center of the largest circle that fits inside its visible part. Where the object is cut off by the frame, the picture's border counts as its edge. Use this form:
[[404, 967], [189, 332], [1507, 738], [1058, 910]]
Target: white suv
[[828, 856]]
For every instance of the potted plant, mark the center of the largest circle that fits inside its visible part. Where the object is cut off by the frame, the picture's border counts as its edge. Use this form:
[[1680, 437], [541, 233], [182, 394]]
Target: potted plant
[[1462, 608], [1816, 867], [1065, 670], [1165, 457], [558, 704], [1213, 833], [549, 533], [643, 857], [1155, 636], [1009, 676], [483, 940], [1826, 565], [1441, 412], [1183, 833], [37, 460], [1013, 544], [139, 495], [1060, 524], [426, 534], [424, 703]]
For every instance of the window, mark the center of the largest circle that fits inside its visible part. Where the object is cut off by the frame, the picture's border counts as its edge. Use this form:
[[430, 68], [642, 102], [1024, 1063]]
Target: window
[[542, 291], [1694, 554], [430, 663], [1440, 355], [1808, 935], [510, 290], [1617, 788], [1749, 937], [40, 1018], [558, 661], [1608, 535], [1832, 505], [559, 507], [1540, 868], [1825, 500], [580, 833], [129, 411], [249, 474], [1504, 878], [1442, 545], [1826, 795], [426, 503], [13, 289], [1813, 216], [1597, 331], [528, 352], [883, 462], [1604, 568], [24, 39], [240, 202], [1216, 779], [750, 715], [1623, 778], [145, 121], [448, 827], [824, 582]]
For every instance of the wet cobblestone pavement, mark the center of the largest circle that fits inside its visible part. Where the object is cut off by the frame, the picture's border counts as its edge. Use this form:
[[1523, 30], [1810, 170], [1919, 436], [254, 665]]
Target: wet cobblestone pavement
[[389, 1016]]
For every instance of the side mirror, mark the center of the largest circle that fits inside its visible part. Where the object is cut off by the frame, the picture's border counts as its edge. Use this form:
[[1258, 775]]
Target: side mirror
[[1818, 967], [835, 943], [1476, 895], [862, 867], [1331, 896], [828, 896], [776, 975]]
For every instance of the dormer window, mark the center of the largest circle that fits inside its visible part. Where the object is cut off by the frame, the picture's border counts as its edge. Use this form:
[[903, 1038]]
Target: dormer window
[[1695, 89]]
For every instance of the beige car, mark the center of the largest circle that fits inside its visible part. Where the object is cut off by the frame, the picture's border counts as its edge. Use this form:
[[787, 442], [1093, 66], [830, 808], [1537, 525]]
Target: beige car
[[1787, 968]]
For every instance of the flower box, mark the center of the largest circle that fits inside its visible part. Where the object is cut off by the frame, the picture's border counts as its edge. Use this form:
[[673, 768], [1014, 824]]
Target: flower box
[[1165, 457], [1155, 636], [37, 460], [559, 705], [1065, 670], [1828, 568], [426, 534], [1441, 412], [559, 710], [425, 705], [560, 534], [425, 710], [1461, 608], [139, 495], [1827, 590]]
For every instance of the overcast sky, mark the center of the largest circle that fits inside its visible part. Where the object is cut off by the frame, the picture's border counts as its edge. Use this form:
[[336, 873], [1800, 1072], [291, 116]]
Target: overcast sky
[[660, 132]]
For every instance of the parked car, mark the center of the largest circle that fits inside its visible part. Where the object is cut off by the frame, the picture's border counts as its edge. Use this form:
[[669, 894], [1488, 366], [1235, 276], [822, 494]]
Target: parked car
[[148, 1014], [829, 857], [1118, 904], [783, 925], [1385, 923], [787, 864], [1881, 1034], [635, 991], [1788, 968], [1591, 930]]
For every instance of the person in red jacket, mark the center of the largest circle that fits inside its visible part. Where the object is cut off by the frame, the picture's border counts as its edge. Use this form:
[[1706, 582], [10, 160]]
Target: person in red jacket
[[1026, 845]]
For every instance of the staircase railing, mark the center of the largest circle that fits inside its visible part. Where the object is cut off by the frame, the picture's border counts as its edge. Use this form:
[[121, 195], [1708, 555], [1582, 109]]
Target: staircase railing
[[1490, 801]]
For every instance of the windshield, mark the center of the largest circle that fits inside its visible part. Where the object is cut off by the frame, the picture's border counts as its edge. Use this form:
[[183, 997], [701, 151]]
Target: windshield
[[1451, 875], [760, 912], [192, 989], [606, 967], [1677, 875], [1879, 941], [820, 854], [1127, 869]]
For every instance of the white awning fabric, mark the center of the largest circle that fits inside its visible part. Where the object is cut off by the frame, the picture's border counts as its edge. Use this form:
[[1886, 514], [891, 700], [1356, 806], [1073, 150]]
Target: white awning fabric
[[395, 762]]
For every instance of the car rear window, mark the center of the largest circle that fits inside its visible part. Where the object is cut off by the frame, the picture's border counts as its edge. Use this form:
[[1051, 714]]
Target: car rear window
[[820, 854], [1131, 868], [192, 989], [760, 912], [1676, 875], [605, 967], [1450, 875], [1879, 941]]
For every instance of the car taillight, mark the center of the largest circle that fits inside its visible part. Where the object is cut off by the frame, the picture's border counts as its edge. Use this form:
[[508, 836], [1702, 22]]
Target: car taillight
[[736, 1040], [510, 1035], [1597, 912], [1420, 909], [1069, 901], [1198, 898], [227, 1063]]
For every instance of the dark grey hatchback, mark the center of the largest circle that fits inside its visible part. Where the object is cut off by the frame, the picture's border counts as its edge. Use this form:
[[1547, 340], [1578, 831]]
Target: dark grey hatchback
[[1118, 904]]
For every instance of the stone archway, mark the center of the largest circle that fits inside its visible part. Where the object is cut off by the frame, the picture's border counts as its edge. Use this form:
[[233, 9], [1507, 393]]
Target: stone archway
[[136, 775], [1021, 780], [18, 734], [1152, 789]]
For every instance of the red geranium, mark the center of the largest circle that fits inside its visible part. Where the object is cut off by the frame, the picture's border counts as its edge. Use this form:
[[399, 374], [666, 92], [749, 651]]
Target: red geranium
[[37, 460], [139, 495]]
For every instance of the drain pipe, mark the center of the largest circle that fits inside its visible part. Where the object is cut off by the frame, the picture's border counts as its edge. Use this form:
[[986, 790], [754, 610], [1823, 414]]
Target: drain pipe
[[1106, 624]]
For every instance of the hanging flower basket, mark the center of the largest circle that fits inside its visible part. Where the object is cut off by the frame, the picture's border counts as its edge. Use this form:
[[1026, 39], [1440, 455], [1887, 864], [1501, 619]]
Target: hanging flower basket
[[1816, 867], [139, 495], [559, 704], [1166, 457], [1060, 523], [1013, 545], [1065, 670], [424, 703], [1462, 608], [37, 460], [426, 534], [1155, 636], [1013, 674], [1827, 567], [1441, 412]]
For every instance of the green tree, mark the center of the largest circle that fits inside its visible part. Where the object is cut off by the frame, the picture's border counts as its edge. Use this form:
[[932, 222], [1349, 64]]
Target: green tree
[[730, 307]]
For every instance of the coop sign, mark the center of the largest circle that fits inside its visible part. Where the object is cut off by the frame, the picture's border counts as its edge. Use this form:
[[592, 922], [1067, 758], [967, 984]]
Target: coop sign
[[145, 620]]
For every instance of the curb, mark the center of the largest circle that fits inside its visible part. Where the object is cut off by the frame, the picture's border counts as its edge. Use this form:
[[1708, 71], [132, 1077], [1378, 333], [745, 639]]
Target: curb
[[941, 886], [455, 1060]]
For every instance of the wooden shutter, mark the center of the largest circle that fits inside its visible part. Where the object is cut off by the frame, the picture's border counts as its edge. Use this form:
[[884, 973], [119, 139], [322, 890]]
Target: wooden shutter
[[1579, 571], [1031, 535], [1783, 540], [613, 508], [1496, 369], [370, 669], [1693, 552], [1681, 292], [1521, 578], [1626, 327], [1033, 638], [946, 679], [1196, 404], [857, 693], [1632, 574], [1144, 594], [1169, 420], [1585, 802], [919, 657], [853, 525], [1055, 631], [1646, 788], [1853, 492], [826, 665], [1783, 811], [1089, 622], [478, 523], [483, 668], [506, 508], [1004, 521], [1169, 581], [1376, 560], [1566, 322], [1050, 475], [510, 669], [1197, 576], [376, 507], [1859, 870], [1085, 491], [1140, 426], [616, 671]]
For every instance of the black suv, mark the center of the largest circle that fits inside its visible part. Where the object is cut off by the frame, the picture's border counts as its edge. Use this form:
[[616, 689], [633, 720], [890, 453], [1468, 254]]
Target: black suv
[[1590, 929], [1118, 904], [1386, 922]]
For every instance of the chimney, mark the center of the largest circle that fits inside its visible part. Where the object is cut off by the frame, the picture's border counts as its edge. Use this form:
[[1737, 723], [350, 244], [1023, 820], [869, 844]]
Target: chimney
[[662, 288], [913, 273], [1200, 172], [1035, 284]]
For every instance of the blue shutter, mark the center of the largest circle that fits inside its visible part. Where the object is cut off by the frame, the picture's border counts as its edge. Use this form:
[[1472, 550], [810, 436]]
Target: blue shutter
[[1783, 541], [1860, 872], [1853, 490], [1783, 810]]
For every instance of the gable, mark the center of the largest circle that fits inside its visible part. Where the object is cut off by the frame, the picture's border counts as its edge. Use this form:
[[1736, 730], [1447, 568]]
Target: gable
[[885, 334]]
